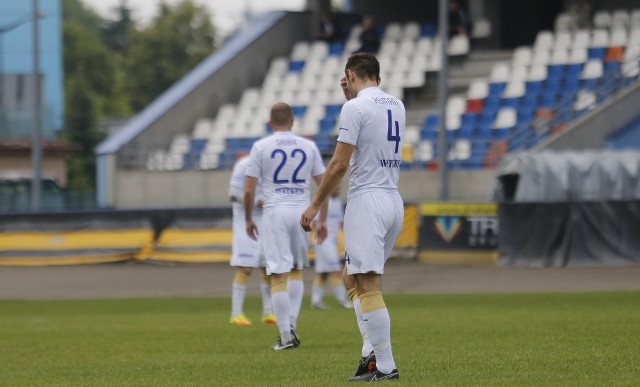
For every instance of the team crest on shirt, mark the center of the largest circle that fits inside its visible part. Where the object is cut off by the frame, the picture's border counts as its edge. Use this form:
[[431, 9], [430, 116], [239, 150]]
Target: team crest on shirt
[[448, 227]]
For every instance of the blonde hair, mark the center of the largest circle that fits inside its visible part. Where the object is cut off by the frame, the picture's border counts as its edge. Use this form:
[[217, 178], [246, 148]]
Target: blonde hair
[[281, 114]]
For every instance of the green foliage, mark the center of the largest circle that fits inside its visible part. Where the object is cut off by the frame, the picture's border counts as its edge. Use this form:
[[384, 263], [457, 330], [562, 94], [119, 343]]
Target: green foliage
[[113, 68], [588, 339], [74, 10], [179, 38]]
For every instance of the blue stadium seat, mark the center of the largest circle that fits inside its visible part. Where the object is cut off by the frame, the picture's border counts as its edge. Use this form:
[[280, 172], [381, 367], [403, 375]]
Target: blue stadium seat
[[469, 119], [496, 89], [468, 125], [429, 30], [197, 145], [491, 106], [612, 67], [487, 116], [552, 85], [529, 102], [484, 130], [327, 125], [510, 102], [596, 52], [333, 111], [296, 66], [555, 71], [571, 86], [549, 99], [429, 129], [427, 133], [591, 83], [534, 87], [324, 141], [299, 111], [525, 116], [336, 48], [574, 70]]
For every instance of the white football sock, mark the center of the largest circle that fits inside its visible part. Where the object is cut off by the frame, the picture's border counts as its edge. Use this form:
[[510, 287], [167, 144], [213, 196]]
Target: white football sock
[[238, 292], [378, 325], [295, 288], [280, 302], [366, 344]]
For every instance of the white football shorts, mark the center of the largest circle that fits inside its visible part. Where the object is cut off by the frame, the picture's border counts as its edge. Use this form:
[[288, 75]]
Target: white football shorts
[[328, 259], [245, 252], [372, 223], [284, 242]]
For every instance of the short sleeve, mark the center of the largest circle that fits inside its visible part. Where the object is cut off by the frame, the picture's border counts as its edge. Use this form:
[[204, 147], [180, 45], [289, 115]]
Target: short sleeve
[[318, 165], [350, 124], [254, 167]]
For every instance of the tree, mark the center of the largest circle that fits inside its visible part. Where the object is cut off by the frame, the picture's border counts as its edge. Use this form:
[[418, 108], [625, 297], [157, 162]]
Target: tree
[[93, 90], [116, 34], [114, 68], [179, 38]]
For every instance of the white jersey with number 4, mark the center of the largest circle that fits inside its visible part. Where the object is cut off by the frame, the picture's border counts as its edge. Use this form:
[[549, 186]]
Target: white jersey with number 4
[[285, 163], [374, 123]]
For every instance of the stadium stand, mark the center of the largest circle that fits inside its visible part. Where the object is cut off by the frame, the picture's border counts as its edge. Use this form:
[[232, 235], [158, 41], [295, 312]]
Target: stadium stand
[[501, 101], [308, 80], [563, 75]]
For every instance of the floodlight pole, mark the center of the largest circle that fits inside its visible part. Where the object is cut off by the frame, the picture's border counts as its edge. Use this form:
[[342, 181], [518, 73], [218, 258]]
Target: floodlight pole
[[36, 133], [443, 76]]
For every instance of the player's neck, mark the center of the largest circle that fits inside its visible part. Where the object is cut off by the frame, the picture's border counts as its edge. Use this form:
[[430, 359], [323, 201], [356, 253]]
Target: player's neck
[[365, 85]]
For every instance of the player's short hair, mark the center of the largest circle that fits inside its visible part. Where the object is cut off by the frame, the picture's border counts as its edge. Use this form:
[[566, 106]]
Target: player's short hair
[[281, 114], [365, 65]]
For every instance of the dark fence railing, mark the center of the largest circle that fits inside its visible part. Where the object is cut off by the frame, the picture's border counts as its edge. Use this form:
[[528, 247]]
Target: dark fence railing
[[20, 201]]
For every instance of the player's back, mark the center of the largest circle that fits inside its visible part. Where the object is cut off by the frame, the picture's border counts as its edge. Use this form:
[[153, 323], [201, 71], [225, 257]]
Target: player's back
[[285, 163], [374, 122]]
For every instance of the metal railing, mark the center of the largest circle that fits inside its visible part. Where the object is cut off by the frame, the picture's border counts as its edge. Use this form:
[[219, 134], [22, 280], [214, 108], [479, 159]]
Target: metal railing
[[549, 122]]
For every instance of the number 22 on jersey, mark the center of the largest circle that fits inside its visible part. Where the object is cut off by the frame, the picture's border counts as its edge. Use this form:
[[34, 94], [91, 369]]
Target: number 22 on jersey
[[277, 179]]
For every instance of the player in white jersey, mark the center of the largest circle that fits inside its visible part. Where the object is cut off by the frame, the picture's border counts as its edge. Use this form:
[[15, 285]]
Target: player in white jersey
[[285, 165], [328, 264], [370, 141], [245, 252]]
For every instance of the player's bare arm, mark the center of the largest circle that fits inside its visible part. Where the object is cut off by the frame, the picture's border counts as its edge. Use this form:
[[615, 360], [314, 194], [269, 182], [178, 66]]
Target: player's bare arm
[[335, 171], [249, 197], [321, 227]]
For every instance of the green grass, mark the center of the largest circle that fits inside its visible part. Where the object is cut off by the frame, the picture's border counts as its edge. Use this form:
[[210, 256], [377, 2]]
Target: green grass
[[577, 339]]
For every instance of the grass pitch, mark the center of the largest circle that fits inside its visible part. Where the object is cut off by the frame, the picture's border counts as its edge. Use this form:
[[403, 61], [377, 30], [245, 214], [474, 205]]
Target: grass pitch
[[577, 339]]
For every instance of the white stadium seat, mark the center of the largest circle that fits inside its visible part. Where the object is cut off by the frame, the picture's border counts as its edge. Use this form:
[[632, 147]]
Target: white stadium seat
[[506, 118], [478, 89], [544, 41], [592, 69], [500, 72]]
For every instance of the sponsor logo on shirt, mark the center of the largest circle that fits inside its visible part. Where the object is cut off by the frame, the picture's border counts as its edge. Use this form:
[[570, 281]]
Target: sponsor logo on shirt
[[390, 163], [290, 191]]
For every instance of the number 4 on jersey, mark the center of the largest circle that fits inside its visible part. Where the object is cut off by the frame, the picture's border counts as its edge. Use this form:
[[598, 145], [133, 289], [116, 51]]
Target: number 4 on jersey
[[390, 135]]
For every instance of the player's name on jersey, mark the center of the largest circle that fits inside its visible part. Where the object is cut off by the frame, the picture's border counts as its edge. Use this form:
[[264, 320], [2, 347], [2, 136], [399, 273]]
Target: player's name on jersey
[[390, 163], [385, 101], [287, 142], [290, 191]]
